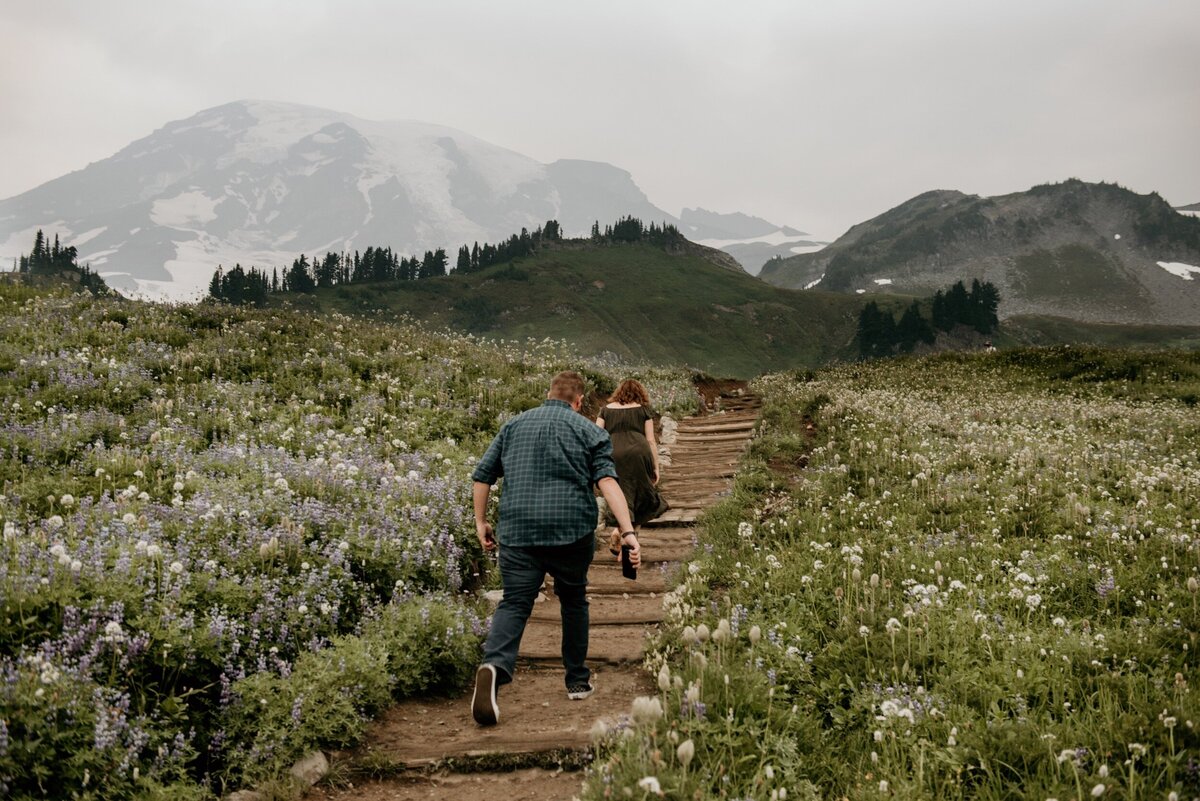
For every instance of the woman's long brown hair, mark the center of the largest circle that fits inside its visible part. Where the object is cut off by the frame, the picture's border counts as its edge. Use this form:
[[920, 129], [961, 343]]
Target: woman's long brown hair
[[631, 391]]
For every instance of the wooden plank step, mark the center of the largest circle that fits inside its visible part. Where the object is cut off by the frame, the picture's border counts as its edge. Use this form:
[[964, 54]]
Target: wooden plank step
[[724, 471], [680, 515], [677, 495], [605, 578], [666, 535], [710, 437], [727, 425], [535, 717], [652, 552], [612, 645], [691, 483], [704, 499], [609, 610], [695, 444], [723, 467], [745, 427]]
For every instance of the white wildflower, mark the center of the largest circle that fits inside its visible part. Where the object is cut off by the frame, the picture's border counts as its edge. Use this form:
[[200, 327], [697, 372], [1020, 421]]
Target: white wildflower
[[650, 784], [646, 709], [685, 752]]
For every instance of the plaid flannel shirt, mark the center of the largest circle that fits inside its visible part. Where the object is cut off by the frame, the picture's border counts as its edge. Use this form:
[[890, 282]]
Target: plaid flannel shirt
[[550, 458]]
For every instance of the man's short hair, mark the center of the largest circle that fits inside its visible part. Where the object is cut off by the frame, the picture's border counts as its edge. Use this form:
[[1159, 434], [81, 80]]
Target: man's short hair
[[567, 386]]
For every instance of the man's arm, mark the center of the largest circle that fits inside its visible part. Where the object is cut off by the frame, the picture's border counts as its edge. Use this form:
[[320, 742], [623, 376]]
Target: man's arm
[[615, 499], [483, 529]]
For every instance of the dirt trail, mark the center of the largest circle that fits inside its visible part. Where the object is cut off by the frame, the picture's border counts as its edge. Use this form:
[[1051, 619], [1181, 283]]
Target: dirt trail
[[431, 748]]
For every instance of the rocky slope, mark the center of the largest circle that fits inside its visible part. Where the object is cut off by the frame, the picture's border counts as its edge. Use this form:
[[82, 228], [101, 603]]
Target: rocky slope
[[1084, 251]]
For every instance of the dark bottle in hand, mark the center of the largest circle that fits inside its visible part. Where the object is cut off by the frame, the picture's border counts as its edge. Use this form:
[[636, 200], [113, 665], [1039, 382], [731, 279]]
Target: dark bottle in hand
[[627, 568]]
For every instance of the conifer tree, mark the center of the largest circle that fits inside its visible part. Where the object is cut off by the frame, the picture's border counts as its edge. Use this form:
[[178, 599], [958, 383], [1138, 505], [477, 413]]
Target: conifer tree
[[913, 328], [298, 278]]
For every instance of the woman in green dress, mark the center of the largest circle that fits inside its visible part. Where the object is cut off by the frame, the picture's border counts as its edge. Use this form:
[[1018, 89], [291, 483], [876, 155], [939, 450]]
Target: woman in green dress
[[630, 422]]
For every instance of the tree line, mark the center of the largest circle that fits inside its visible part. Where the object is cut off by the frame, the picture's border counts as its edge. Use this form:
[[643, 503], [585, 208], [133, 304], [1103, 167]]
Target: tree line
[[239, 285], [60, 261], [631, 229], [880, 334], [376, 264]]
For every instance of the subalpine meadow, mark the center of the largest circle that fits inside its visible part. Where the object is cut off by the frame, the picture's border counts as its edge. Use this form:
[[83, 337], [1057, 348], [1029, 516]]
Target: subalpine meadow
[[232, 536], [966, 576]]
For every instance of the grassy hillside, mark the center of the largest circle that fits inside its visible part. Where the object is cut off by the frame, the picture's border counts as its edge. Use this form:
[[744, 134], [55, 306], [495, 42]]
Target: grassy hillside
[[635, 301], [1033, 330]]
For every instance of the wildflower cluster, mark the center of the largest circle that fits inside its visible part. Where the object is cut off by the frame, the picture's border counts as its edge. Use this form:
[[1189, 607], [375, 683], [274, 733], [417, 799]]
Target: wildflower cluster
[[969, 578], [230, 536]]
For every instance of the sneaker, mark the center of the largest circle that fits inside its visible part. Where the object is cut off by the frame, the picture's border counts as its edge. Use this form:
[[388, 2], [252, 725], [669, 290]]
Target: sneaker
[[483, 703], [577, 692]]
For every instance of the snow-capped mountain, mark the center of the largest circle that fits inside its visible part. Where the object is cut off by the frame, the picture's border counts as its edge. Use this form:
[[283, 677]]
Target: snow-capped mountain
[[751, 240], [258, 183]]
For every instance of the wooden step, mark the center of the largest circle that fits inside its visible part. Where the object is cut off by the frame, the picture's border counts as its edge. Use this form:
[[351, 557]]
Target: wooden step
[[609, 610], [692, 482], [675, 516], [611, 645], [732, 425], [707, 437], [652, 553], [605, 578], [535, 717]]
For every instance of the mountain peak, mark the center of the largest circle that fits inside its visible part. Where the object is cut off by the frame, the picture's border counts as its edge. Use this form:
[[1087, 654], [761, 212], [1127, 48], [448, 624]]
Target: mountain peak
[[258, 182], [1091, 251]]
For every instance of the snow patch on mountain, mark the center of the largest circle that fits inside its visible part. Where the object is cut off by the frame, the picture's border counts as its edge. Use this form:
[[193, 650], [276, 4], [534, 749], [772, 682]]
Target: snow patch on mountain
[[85, 237], [775, 238], [806, 248], [1184, 271], [187, 210]]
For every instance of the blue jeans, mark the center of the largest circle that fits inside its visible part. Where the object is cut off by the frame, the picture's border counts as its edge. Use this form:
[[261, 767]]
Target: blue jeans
[[522, 571]]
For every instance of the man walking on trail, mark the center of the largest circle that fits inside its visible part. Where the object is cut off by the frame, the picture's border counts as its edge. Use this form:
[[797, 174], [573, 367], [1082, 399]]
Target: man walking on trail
[[550, 458]]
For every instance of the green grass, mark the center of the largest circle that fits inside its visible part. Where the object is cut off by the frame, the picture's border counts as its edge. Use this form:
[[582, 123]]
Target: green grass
[[1037, 330], [634, 301]]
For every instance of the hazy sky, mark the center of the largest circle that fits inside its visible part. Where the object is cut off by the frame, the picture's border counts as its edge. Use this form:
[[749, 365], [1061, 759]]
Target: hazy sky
[[813, 114]]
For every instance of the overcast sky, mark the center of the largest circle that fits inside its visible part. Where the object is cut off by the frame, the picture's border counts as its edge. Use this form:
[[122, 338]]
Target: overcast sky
[[812, 114]]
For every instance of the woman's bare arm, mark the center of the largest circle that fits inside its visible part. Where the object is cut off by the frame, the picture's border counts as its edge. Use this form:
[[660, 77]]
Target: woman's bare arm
[[653, 447]]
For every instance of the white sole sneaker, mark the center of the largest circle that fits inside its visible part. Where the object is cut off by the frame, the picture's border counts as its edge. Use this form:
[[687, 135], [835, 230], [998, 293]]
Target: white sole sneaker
[[579, 695], [484, 708]]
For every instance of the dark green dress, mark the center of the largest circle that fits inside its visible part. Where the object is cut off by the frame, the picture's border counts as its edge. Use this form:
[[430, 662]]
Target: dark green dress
[[635, 462]]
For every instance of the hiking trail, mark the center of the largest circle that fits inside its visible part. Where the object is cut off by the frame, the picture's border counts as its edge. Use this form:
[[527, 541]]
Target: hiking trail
[[430, 748]]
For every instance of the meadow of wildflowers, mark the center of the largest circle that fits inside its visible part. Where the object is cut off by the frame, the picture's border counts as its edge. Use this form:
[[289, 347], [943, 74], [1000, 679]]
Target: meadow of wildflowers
[[970, 577], [231, 536]]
